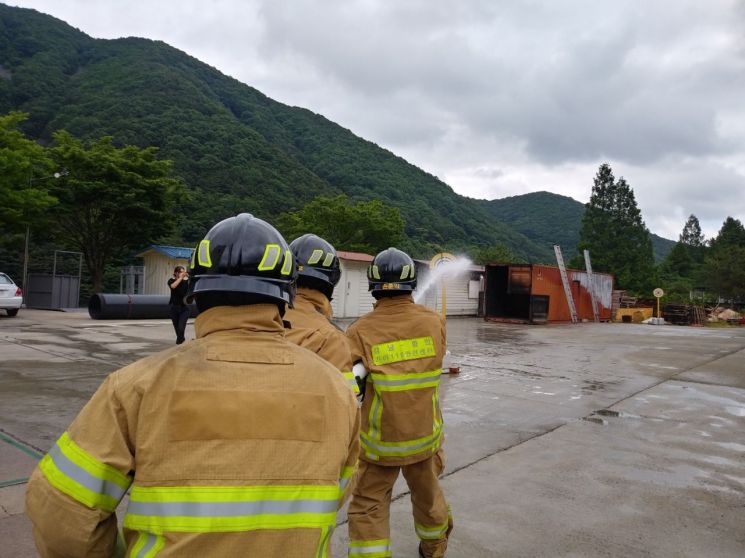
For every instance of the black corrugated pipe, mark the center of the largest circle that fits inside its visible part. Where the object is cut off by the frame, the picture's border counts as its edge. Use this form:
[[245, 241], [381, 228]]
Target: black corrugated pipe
[[103, 306]]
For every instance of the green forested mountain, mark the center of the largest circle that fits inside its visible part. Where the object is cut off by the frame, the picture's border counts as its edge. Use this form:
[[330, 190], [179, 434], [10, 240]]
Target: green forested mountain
[[544, 218], [235, 148], [549, 219]]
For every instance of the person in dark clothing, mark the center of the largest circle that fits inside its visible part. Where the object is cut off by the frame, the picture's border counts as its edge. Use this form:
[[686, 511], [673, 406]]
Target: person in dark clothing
[[179, 285]]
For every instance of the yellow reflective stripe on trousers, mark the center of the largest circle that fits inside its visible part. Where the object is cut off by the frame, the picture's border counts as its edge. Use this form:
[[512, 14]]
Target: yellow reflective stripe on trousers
[[380, 548], [374, 419], [430, 533], [436, 421], [346, 475], [352, 382], [208, 509], [405, 382], [378, 448], [72, 470], [403, 349], [323, 542], [147, 546]]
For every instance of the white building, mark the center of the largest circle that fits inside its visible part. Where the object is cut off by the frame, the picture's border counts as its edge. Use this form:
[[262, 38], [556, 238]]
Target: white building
[[159, 262], [461, 292], [351, 298]]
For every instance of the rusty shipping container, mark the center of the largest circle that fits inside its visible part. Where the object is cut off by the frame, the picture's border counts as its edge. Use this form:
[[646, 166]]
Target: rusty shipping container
[[533, 293]]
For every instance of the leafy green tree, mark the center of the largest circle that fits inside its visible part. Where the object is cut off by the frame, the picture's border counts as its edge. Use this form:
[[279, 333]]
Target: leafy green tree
[[724, 267], [615, 234], [359, 227], [111, 199], [23, 162]]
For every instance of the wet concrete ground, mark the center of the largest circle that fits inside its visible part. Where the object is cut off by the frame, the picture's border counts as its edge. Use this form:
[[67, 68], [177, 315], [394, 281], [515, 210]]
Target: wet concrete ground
[[586, 440]]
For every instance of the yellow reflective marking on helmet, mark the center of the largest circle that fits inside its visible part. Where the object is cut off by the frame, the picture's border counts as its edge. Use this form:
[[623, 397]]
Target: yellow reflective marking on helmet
[[403, 349], [328, 260], [271, 257], [193, 263], [315, 257], [413, 272], [287, 266], [203, 257], [405, 271], [375, 271]]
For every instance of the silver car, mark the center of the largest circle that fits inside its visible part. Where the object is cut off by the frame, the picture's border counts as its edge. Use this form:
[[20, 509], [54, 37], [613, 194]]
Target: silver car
[[11, 295]]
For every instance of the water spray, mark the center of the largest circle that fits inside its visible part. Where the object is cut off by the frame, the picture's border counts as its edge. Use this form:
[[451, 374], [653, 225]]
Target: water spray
[[442, 267]]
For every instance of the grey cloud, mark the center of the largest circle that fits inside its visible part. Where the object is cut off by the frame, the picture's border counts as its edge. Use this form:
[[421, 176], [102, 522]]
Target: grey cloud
[[539, 90], [567, 83]]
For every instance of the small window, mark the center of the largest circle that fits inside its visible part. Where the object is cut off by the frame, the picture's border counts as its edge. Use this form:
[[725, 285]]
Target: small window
[[473, 289], [5, 280]]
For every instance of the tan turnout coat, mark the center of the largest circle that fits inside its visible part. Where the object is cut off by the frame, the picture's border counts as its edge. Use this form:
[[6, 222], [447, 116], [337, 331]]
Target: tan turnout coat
[[239, 443], [310, 327], [401, 345]]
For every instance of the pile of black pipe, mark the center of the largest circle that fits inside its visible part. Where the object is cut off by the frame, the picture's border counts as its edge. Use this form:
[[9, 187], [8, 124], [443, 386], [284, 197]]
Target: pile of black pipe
[[105, 306]]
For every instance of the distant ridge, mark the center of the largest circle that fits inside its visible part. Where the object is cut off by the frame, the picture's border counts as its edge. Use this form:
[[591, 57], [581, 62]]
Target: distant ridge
[[548, 219], [239, 150]]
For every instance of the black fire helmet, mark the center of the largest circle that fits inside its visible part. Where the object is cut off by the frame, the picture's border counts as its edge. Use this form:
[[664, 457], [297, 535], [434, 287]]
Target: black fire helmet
[[244, 254]]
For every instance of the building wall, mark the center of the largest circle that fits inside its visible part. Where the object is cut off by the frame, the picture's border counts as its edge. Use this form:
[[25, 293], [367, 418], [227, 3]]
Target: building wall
[[457, 292], [547, 281], [158, 270], [351, 298]]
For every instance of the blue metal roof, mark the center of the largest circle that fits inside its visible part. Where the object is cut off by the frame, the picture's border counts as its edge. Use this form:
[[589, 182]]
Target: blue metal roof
[[175, 252]]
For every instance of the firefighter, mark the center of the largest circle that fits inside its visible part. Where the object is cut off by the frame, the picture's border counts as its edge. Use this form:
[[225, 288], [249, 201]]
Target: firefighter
[[238, 444], [310, 317], [401, 344]]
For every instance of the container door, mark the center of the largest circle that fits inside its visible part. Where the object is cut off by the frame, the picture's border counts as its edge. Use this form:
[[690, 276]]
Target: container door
[[352, 293]]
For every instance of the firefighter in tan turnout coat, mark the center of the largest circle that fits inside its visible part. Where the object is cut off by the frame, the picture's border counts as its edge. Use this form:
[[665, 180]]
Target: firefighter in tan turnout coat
[[239, 443], [310, 317], [401, 344]]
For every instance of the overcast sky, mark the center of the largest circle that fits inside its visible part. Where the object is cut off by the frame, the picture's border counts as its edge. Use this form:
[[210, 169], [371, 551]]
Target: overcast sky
[[495, 98]]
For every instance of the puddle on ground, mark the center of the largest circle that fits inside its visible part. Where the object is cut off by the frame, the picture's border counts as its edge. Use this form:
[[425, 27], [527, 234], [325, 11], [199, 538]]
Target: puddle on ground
[[679, 476], [590, 386], [660, 366], [732, 445]]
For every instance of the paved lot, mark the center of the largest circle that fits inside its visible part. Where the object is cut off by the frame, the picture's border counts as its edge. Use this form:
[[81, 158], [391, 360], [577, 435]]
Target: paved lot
[[587, 440]]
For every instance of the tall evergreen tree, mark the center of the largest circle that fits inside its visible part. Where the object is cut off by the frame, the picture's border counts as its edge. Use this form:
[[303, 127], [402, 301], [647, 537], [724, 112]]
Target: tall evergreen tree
[[615, 234], [692, 235], [724, 269], [680, 268]]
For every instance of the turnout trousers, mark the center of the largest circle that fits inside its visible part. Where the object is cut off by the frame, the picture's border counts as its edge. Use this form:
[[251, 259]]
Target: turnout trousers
[[369, 511]]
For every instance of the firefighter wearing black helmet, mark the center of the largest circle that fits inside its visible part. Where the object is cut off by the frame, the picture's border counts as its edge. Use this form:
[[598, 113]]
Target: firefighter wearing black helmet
[[237, 443], [310, 318], [401, 344]]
